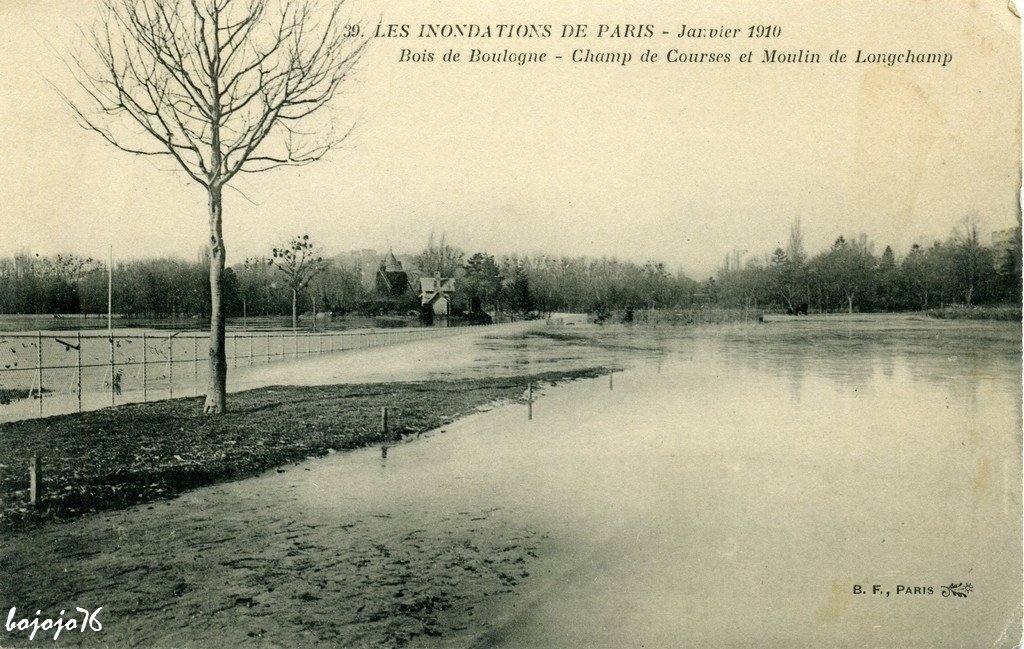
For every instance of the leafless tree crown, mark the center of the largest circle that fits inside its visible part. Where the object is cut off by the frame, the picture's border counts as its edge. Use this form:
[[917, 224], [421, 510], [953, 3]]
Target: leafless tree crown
[[222, 86]]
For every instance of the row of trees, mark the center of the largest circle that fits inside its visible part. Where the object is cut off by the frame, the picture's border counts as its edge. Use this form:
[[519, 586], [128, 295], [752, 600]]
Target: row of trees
[[521, 284], [167, 288], [71, 284], [850, 276], [295, 277]]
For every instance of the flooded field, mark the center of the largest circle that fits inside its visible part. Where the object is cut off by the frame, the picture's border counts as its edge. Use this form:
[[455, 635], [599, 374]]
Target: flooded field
[[733, 493], [731, 486]]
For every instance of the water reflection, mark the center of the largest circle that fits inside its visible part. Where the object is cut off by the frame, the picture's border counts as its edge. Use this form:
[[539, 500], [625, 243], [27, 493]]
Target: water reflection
[[738, 481]]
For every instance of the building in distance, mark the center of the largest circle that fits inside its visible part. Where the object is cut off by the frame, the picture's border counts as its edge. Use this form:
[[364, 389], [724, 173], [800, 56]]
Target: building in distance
[[436, 293], [391, 279]]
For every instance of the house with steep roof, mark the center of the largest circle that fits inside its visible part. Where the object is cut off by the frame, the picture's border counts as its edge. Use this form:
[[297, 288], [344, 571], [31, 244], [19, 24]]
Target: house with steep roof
[[436, 292], [391, 279]]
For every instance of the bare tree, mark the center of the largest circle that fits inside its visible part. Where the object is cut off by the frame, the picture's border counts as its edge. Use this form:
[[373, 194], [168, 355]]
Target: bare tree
[[439, 258], [300, 261], [222, 87], [967, 238]]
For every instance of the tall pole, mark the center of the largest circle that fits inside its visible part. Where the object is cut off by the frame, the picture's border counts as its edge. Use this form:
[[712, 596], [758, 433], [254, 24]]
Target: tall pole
[[110, 289], [145, 371], [170, 366], [110, 315], [78, 369], [110, 311], [39, 368]]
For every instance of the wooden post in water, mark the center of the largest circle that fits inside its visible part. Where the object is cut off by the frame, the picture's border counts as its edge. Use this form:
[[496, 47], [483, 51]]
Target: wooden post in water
[[529, 401], [384, 421], [35, 482], [611, 381]]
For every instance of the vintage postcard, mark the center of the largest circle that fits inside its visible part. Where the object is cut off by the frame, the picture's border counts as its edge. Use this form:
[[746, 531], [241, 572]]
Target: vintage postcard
[[392, 323]]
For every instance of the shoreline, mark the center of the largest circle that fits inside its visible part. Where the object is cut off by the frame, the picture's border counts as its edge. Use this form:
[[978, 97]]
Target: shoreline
[[139, 453]]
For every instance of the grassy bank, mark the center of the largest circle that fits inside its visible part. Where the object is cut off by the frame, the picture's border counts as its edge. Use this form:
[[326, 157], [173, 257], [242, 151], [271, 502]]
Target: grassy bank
[[724, 315], [960, 312], [683, 317], [138, 453]]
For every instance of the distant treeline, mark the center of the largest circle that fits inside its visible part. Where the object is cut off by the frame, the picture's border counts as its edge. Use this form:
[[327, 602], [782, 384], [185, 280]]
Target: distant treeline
[[162, 288], [848, 276]]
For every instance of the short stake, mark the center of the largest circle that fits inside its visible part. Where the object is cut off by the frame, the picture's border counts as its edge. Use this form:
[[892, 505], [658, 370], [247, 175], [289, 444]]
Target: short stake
[[529, 402], [35, 482]]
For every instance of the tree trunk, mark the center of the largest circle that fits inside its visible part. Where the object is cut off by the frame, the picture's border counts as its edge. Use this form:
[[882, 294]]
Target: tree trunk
[[849, 303], [295, 309], [216, 390]]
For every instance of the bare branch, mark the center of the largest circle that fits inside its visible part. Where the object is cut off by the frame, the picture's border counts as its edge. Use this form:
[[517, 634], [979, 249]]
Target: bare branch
[[222, 86]]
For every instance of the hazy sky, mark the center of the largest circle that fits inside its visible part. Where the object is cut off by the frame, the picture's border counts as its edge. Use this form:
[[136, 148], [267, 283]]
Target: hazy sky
[[674, 162]]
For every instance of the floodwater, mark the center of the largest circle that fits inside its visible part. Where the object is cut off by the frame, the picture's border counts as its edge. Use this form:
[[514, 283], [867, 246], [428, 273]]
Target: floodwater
[[730, 486], [734, 486]]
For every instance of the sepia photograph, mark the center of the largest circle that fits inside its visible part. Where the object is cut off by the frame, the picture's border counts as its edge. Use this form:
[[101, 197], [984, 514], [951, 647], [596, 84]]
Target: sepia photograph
[[406, 323]]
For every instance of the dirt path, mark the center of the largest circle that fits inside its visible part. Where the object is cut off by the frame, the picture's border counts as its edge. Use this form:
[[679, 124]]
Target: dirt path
[[271, 561]]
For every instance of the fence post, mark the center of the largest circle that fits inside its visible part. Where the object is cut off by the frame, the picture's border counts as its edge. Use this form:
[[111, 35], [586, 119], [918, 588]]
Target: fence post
[[611, 381], [195, 356], [111, 368], [234, 350], [170, 366], [145, 368], [39, 367], [250, 350], [384, 421], [78, 370], [35, 481]]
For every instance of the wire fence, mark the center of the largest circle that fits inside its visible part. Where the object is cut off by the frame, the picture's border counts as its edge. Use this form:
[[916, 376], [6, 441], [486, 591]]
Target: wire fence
[[56, 372]]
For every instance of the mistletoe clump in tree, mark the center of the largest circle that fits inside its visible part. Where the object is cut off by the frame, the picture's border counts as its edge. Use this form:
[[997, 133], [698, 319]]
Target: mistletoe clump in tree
[[222, 87]]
